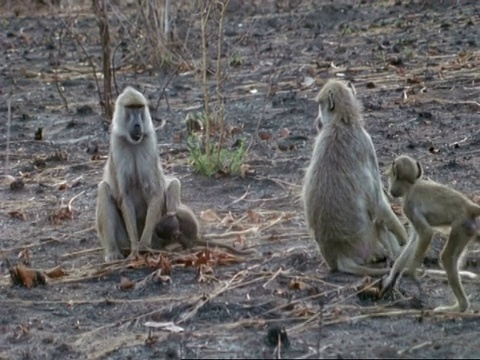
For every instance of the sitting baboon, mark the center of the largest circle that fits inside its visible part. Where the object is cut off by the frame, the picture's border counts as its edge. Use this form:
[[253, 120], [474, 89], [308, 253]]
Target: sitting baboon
[[131, 194], [428, 204], [343, 197]]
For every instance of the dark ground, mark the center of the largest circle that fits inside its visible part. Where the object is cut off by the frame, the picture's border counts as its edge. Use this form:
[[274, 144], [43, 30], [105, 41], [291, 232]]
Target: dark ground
[[391, 52]]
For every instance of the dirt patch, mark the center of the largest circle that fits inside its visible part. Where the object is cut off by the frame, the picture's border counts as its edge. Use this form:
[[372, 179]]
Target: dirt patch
[[415, 66]]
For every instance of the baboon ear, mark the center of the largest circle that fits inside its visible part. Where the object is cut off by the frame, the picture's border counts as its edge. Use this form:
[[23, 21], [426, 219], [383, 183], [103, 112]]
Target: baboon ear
[[350, 85], [331, 103], [420, 170]]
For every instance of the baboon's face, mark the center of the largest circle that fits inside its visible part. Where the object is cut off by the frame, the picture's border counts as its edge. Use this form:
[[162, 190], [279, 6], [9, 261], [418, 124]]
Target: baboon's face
[[135, 123], [395, 185], [394, 189]]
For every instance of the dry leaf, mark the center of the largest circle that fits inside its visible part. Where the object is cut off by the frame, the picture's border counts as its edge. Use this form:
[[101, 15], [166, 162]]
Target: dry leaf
[[63, 186], [61, 214], [168, 326], [301, 310], [202, 258], [56, 272], [17, 215], [126, 283], [284, 133], [161, 262], [263, 135], [296, 284], [209, 216], [187, 260], [220, 257], [21, 275]]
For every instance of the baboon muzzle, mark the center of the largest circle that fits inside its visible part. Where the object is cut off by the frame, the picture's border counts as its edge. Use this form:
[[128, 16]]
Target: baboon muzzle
[[136, 134]]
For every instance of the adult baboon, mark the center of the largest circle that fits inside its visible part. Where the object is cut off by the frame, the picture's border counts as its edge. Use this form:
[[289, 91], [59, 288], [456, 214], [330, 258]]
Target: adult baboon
[[344, 203], [131, 195]]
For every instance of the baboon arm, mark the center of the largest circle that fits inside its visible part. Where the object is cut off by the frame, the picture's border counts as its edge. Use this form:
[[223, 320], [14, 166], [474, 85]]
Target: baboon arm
[[394, 224], [400, 264], [425, 234]]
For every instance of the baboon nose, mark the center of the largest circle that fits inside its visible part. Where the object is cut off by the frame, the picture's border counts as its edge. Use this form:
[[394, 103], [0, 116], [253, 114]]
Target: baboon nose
[[136, 127]]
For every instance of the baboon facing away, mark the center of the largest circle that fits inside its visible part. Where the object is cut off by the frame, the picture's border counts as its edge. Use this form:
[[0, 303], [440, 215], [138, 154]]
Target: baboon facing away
[[344, 203], [181, 225], [428, 204], [131, 195]]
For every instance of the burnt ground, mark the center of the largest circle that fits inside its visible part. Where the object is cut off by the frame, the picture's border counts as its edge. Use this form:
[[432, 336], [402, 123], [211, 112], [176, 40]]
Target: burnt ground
[[415, 67]]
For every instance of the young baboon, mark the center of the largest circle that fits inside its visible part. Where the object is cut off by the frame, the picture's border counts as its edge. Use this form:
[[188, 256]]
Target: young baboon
[[181, 225], [428, 205], [131, 194], [344, 203]]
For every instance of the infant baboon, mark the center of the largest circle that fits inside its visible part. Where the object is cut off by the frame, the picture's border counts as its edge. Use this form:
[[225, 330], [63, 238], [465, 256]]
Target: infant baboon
[[427, 205], [181, 225], [131, 194], [344, 203]]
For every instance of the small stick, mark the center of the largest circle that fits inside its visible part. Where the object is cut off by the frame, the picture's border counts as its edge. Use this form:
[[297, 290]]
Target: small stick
[[82, 252], [279, 271], [9, 121]]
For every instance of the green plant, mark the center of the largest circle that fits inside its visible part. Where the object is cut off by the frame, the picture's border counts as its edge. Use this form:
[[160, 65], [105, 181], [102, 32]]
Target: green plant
[[236, 60], [206, 143], [220, 161]]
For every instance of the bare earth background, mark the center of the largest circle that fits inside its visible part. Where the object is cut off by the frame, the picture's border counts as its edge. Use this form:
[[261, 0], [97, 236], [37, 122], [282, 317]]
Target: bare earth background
[[415, 67]]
